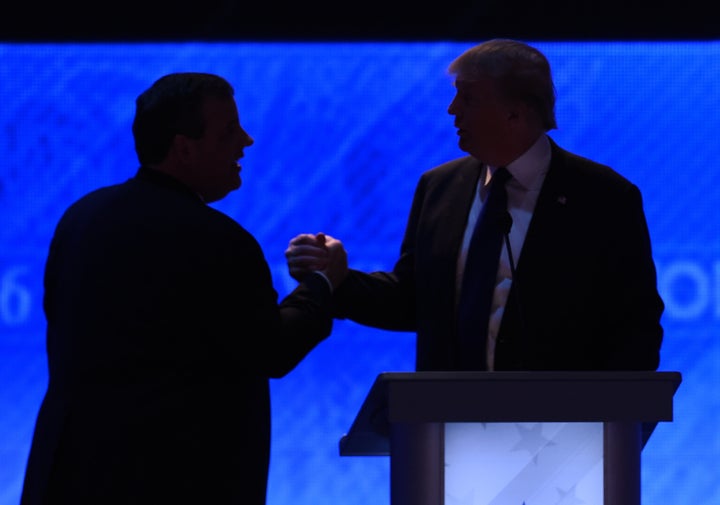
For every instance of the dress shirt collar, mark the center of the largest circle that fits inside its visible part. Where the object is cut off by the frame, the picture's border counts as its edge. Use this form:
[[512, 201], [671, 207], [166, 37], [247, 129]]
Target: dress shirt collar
[[530, 168]]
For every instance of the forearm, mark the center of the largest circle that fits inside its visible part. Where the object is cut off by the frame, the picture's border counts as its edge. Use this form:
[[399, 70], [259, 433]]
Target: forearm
[[376, 299]]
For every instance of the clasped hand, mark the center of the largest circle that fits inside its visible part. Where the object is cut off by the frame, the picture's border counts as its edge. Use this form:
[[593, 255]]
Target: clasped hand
[[319, 252]]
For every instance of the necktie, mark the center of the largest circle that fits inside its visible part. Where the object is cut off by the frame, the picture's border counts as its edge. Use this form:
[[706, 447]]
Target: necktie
[[480, 275]]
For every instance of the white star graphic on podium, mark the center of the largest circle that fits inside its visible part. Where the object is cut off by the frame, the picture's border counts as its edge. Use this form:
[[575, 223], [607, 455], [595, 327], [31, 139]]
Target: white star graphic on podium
[[531, 440]]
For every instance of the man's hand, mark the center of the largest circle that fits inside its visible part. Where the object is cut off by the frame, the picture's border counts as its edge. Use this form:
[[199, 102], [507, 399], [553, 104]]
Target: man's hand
[[336, 268], [316, 252]]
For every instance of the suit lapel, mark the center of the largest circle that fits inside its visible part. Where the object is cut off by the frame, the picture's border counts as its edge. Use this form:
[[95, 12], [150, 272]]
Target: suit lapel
[[456, 209], [447, 201], [550, 212]]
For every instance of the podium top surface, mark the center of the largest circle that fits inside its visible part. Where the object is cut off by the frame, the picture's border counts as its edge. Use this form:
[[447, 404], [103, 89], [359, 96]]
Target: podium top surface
[[417, 397]]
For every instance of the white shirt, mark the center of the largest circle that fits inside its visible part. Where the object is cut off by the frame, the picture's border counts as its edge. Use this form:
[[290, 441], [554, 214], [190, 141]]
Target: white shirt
[[523, 188]]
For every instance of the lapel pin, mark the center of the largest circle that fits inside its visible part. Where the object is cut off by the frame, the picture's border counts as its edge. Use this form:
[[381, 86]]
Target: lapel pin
[[562, 200]]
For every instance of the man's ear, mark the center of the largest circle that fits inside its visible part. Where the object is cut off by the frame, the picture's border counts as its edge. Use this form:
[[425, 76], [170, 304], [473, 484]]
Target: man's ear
[[517, 110], [183, 146]]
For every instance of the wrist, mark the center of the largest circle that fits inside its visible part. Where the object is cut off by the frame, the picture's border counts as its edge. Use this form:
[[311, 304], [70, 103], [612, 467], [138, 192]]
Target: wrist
[[324, 276]]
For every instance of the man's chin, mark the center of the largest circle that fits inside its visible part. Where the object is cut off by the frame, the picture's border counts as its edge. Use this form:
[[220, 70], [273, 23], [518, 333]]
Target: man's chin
[[219, 195], [464, 144]]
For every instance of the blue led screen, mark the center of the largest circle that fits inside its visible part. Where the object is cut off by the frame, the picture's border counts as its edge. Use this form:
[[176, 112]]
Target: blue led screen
[[342, 133]]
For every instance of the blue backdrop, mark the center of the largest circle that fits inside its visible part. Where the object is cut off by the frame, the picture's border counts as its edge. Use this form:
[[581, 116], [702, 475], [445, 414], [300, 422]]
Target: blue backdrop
[[342, 132]]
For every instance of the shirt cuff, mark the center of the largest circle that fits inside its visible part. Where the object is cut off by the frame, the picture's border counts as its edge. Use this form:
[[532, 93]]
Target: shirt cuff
[[326, 279]]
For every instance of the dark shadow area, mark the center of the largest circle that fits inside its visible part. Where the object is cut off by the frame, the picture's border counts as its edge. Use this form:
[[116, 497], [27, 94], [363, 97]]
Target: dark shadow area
[[263, 20]]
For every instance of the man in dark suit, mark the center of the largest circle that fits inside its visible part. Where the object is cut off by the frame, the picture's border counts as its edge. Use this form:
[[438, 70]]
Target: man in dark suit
[[163, 326], [575, 283]]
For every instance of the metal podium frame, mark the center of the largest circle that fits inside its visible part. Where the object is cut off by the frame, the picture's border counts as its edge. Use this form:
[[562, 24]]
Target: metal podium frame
[[404, 414]]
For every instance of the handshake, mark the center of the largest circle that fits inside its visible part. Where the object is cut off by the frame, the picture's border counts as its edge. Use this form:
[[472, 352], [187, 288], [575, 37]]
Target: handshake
[[317, 253]]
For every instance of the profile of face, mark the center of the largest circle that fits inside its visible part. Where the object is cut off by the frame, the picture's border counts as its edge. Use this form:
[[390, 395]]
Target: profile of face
[[483, 117], [214, 158]]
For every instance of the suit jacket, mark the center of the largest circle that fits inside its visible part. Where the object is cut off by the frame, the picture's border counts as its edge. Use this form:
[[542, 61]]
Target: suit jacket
[[163, 329], [584, 296]]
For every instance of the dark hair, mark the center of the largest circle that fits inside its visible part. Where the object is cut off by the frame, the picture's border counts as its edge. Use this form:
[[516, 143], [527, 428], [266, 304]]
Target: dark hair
[[521, 72], [171, 106]]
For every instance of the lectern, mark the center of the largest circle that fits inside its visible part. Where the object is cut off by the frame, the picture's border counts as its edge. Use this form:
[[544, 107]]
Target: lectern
[[512, 438]]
